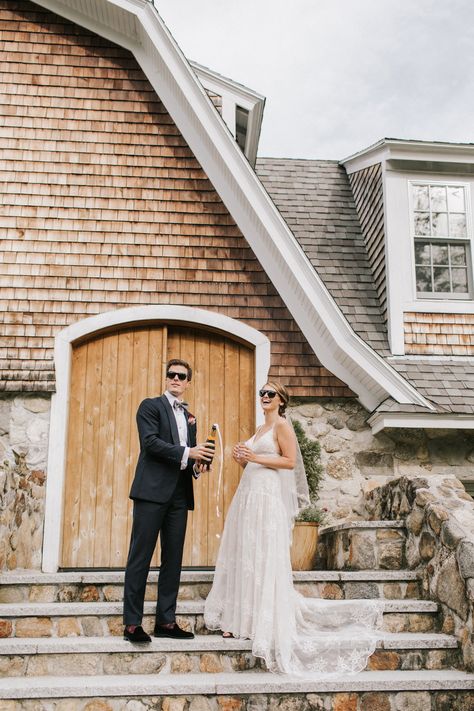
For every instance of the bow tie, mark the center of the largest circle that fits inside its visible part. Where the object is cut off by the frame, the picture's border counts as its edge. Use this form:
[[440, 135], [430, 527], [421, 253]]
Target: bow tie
[[179, 405]]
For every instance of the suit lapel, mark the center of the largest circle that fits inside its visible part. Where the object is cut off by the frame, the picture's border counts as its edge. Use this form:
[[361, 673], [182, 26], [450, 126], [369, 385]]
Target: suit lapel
[[171, 418]]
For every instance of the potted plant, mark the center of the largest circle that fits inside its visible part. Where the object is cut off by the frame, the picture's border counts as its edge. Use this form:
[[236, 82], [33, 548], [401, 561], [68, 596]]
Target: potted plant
[[305, 530]]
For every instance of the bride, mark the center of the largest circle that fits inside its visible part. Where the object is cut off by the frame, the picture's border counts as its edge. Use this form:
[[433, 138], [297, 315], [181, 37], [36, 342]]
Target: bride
[[252, 596]]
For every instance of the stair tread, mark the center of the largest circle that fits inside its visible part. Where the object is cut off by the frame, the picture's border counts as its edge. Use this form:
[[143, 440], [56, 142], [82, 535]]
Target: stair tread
[[198, 576], [347, 525], [236, 682], [193, 607], [201, 643]]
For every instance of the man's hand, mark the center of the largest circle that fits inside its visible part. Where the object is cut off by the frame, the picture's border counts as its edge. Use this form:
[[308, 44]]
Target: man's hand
[[202, 452], [199, 467]]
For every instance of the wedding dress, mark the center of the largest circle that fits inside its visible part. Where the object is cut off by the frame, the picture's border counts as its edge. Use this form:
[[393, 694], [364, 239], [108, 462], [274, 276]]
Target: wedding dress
[[253, 595]]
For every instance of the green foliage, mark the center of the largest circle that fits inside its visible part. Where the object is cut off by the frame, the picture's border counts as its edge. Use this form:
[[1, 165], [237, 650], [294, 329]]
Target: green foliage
[[311, 453], [312, 513]]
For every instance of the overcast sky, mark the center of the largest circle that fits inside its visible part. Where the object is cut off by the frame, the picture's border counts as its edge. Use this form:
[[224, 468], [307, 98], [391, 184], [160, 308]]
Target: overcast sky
[[339, 75]]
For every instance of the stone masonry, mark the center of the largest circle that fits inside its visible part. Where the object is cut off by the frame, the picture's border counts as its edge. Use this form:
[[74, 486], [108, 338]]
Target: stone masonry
[[439, 517], [355, 461], [24, 426]]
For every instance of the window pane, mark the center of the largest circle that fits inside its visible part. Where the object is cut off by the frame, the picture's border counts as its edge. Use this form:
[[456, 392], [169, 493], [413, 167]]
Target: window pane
[[442, 245], [438, 197], [456, 199], [440, 253], [440, 224], [422, 253], [423, 279], [459, 277], [457, 253], [421, 197], [441, 279], [422, 223], [457, 225]]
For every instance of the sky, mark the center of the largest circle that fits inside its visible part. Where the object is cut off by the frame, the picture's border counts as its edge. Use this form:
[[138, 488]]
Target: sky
[[338, 75]]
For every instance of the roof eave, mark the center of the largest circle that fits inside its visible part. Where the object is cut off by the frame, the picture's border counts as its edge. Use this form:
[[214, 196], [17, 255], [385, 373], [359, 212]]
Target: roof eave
[[409, 150], [382, 420]]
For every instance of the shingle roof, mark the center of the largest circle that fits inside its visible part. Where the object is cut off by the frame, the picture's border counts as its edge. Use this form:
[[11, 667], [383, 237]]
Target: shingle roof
[[315, 199], [390, 405], [449, 384]]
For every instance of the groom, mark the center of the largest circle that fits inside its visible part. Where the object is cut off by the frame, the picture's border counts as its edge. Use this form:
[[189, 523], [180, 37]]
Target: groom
[[162, 493]]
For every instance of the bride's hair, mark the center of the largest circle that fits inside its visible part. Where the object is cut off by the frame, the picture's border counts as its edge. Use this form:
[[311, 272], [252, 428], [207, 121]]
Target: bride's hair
[[283, 393]]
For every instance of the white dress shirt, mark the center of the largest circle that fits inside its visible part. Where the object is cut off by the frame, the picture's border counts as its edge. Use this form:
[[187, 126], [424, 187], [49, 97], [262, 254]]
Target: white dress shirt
[[181, 422]]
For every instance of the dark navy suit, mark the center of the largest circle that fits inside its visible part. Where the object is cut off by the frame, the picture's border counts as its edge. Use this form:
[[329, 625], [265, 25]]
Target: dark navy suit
[[162, 493]]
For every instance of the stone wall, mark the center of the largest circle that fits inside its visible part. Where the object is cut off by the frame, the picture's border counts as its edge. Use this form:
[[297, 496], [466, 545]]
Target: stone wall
[[356, 461], [298, 701], [439, 518], [24, 426]]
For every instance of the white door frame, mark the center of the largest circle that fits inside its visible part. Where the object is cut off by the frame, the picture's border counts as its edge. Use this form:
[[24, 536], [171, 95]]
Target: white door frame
[[56, 467]]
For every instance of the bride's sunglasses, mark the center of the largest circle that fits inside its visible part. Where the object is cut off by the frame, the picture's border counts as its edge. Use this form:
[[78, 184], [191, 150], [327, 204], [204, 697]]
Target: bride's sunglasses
[[269, 393]]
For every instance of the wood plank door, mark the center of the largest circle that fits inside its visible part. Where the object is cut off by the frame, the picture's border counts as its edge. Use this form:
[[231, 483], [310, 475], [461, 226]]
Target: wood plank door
[[111, 374]]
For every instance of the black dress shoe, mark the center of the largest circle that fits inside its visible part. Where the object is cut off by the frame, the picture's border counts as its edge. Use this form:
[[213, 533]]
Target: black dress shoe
[[138, 635], [175, 632]]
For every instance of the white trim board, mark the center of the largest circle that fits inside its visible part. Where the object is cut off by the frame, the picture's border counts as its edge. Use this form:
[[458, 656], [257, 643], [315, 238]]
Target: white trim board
[[388, 149], [136, 25], [60, 400], [381, 420]]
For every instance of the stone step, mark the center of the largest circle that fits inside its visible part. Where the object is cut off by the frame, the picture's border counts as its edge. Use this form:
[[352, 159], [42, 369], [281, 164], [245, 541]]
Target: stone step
[[96, 619], [91, 586], [205, 653], [421, 690], [363, 545]]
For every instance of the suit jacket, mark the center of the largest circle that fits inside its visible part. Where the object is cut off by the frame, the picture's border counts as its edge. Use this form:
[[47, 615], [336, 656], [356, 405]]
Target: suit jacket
[[159, 463]]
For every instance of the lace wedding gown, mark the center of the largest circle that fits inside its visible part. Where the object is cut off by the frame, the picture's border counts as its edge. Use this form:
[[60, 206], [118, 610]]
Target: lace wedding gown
[[253, 596]]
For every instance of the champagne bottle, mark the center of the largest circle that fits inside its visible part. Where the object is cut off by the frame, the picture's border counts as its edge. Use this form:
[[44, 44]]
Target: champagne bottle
[[211, 442]]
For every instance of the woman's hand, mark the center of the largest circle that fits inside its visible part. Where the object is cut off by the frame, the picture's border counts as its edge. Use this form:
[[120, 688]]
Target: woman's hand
[[238, 454], [243, 454]]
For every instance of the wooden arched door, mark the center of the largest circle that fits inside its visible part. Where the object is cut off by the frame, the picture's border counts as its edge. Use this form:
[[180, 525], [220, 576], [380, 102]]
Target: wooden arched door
[[111, 374]]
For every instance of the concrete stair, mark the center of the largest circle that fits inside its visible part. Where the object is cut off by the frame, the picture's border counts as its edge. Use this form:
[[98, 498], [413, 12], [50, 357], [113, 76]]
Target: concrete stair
[[94, 586], [90, 619], [105, 655], [61, 645]]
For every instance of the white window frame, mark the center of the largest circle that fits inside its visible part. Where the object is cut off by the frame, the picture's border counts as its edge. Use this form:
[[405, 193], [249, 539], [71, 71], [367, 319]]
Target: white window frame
[[442, 296]]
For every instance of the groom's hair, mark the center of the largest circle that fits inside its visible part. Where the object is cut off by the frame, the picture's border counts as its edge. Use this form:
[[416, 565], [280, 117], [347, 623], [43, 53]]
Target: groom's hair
[[178, 361]]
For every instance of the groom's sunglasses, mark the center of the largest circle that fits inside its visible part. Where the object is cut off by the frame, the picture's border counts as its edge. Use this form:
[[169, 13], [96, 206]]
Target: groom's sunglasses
[[270, 393], [171, 375]]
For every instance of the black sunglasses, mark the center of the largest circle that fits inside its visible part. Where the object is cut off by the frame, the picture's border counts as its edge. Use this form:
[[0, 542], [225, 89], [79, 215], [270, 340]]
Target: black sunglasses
[[171, 375], [270, 393]]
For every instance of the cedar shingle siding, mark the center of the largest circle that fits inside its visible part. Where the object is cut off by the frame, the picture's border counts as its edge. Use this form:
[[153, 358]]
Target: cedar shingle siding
[[368, 195], [439, 334], [104, 206]]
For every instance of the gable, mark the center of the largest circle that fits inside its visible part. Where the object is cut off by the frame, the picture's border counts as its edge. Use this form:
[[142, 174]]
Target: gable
[[136, 25], [105, 206]]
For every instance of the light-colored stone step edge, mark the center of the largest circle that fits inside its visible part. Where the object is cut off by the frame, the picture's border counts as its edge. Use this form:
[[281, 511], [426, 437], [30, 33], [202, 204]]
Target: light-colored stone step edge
[[361, 525], [191, 607], [197, 576], [200, 643], [230, 683]]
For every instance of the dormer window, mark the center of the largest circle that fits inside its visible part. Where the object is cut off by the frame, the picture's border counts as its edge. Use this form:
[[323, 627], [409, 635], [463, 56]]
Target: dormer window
[[442, 241], [241, 109], [241, 125]]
